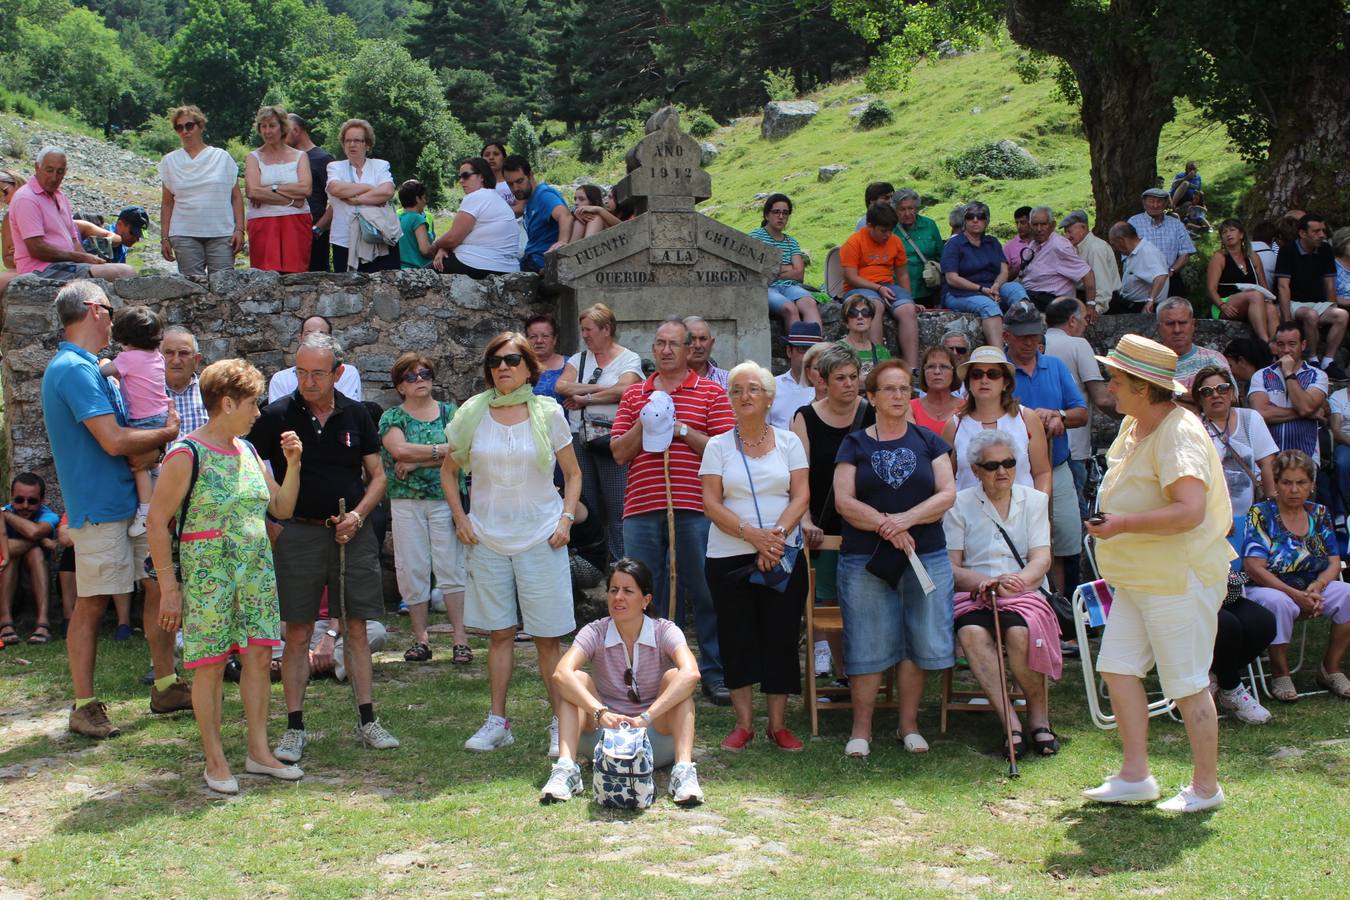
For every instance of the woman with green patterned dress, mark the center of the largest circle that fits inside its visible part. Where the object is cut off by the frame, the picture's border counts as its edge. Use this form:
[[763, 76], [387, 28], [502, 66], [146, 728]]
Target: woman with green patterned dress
[[413, 434], [227, 598]]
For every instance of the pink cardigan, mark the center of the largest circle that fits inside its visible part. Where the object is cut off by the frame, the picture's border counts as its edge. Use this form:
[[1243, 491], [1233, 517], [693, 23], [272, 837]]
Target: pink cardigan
[[1043, 651]]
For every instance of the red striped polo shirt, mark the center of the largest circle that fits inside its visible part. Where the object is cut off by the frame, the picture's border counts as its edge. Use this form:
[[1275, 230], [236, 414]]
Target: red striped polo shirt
[[699, 403]]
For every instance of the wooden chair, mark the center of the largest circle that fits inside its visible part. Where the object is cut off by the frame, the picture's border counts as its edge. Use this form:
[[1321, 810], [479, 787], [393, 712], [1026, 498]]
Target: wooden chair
[[954, 700]]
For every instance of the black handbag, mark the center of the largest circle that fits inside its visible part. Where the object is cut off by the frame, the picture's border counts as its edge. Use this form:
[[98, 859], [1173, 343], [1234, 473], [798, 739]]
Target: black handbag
[[781, 573], [595, 433], [888, 563], [1059, 604]]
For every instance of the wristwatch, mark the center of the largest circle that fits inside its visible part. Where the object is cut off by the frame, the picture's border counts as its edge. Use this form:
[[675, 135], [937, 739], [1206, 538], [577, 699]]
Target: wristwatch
[[571, 517], [646, 717], [274, 188], [684, 430], [360, 519], [332, 633]]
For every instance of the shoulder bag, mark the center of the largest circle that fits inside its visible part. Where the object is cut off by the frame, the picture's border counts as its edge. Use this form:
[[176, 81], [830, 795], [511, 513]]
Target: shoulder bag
[[178, 523], [595, 433], [1222, 434], [932, 270], [777, 577], [1059, 604]]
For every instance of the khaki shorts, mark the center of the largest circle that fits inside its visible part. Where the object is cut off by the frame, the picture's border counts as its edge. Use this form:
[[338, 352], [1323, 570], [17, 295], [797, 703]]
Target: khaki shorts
[[107, 560], [1177, 633]]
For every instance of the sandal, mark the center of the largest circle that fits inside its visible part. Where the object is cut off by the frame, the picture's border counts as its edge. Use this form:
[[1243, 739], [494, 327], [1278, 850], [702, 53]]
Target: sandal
[[1019, 746], [7, 633], [418, 652], [1282, 689], [1044, 748], [1335, 682], [44, 638], [461, 655]]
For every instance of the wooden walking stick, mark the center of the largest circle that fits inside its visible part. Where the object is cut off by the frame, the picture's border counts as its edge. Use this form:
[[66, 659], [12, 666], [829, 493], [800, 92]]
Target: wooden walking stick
[[1003, 686], [670, 537]]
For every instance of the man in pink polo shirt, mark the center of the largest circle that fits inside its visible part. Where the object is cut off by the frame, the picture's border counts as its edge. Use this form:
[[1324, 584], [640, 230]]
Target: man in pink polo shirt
[[46, 241], [1055, 268]]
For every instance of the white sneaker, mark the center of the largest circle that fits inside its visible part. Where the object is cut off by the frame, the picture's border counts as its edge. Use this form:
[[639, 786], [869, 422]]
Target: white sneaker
[[553, 738], [495, 734], [1117, 790], [137, 526], [1188, 801], [291, 747], [684, 789], [824, 664], [1240, 702], [376, 736], [564, 783]]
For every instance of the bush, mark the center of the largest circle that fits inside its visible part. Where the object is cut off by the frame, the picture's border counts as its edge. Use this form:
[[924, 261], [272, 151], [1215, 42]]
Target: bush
[[919, 173], [523, 140], [1002, 160], [875, 115], [700, 123], [779, 84], [154, 138]]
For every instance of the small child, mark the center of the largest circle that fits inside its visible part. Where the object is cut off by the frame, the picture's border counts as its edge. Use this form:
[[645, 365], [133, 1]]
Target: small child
[[140, 367]]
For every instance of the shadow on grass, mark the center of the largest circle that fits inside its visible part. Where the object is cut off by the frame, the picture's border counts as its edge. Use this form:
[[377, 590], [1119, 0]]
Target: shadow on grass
[[1117, 838]]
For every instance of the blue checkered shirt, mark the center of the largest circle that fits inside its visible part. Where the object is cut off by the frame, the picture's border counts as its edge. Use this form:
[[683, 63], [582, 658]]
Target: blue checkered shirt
[[1171, 237], [188, 404]]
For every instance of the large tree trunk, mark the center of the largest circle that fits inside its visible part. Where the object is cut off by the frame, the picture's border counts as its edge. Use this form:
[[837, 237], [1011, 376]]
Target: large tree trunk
[[1307, 165]]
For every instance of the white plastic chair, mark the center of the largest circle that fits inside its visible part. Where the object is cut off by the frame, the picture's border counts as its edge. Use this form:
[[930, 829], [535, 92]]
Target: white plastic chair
[[834, 274], [1088, 612]]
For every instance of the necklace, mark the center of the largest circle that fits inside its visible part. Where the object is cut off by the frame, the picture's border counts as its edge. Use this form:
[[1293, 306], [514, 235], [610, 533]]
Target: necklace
[[752, 445]]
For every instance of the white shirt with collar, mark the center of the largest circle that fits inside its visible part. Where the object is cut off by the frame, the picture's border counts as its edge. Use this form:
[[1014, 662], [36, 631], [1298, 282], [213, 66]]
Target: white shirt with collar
[[970, 527], [789, 397]]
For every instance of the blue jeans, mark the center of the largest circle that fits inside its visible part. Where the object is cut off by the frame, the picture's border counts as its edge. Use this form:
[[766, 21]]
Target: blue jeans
[[901, 296], [883, 626], [645, 539], [780, 295], [1079, 469], [982, 306]]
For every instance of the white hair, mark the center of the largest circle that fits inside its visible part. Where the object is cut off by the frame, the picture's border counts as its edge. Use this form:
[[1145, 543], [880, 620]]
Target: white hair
[[1044, 211], [750, 367], [49, 150], [983, 440], [187, 333], [72, 301], [316, 340], [1173, 303]]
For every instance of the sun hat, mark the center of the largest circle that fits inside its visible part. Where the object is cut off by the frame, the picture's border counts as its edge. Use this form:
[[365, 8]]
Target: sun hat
[[658, 422], [804, 334], [1145, 359], [985, 355], [1156, 192]]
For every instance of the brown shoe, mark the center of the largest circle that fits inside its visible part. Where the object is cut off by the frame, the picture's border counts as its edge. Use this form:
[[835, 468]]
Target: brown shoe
[[177, 696], [91, 720]]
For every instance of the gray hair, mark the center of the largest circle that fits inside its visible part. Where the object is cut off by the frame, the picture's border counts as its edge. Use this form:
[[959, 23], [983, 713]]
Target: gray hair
[[956, 328], [72, 301], [187, 333], [974, 206], [1120, 231], [317, 341], [905, 194], [49, 150], [1174, 303], [835, 355], [957, 217], [750, 367], [983, 440], [691, 321], [1043, 211], [672, 320]]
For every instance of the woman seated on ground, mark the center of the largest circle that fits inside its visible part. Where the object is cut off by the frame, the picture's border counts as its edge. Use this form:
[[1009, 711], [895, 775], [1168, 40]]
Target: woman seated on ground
[[1292, 560], [590, 215], [483, 238], [652, 690], [1235, 264], [937, 378], [988, 379], [984, 563]]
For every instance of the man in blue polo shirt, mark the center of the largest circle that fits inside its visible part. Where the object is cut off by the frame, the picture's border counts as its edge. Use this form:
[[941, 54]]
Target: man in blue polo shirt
[[91, 446], [548, 221], [1046, 387]]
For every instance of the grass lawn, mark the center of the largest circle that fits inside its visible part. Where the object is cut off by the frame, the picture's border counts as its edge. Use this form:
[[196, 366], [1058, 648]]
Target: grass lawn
[[131, 817]]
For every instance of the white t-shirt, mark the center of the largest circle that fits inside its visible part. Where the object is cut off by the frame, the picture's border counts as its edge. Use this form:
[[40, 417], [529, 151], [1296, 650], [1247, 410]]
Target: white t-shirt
[[505, 193], [789, 398], [625, 362], [284, 383], [1141, 267], [493, 242], [773, 478], [374, 172], [1340, 406], [201, 189], [513, 503], [1249, 443], [1076, 354]]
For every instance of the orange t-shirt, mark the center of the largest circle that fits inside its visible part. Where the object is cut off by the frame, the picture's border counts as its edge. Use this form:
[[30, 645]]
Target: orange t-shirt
[[874, 262]]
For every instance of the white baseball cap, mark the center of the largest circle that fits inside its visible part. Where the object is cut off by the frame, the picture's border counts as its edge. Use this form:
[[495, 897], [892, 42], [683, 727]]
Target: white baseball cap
[[658, 422]]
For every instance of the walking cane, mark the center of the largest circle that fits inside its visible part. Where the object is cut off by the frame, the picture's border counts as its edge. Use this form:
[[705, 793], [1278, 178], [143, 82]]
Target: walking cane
[[670, 537], [342, 604], [1003, 686]]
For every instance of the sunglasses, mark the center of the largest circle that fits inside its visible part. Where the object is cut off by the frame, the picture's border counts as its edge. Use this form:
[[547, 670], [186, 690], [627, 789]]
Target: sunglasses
[[630, 681], [595, 376], [1220, 389], [184, 127], [998, 464], [26, 501], [977, 217], [467, 174], [511, 359], [861, 312], [104, 306], [958, 351], [991, 374], [421, 375]]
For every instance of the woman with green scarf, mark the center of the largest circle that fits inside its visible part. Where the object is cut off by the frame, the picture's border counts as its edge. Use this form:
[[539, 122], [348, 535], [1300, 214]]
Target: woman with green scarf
[[509, 439]]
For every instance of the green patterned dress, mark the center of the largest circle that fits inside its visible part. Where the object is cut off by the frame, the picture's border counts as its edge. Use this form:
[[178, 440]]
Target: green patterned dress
[[229, 585]]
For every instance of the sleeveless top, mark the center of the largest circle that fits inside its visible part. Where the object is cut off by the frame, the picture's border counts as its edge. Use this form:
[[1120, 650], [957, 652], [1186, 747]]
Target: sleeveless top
[[921, 417], [1013, 426], [277, 173], [825, 442], [1233, 275]]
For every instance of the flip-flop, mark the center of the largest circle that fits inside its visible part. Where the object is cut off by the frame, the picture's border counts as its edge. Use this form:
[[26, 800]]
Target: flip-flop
[[1282, 689], [44, 638]]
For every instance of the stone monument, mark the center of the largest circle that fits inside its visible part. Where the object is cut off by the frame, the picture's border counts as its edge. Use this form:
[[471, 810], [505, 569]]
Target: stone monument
[[668, 259]]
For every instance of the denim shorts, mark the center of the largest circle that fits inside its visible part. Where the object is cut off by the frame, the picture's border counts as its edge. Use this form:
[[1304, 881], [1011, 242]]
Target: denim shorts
[[780, 295], [883, 626], [156, 421], [902, 296]]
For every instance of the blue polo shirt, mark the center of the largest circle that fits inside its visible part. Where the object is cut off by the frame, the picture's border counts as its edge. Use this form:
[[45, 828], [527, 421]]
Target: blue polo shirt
[[980, 264], [45, 516], [97, 487], [541, 229], [1051, 387]]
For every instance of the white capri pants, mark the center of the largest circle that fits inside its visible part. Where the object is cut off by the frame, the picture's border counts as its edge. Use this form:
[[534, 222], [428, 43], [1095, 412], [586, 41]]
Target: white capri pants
[[1335, 606], [1177, 633], [425, 542]]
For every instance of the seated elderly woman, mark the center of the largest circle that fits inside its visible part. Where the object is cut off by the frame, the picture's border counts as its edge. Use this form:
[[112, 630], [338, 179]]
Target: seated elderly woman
[[652, 690], [1292, 560], [998, 538]]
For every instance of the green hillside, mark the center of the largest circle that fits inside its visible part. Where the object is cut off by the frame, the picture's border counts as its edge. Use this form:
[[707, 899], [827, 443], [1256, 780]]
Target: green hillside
[[934, 120]]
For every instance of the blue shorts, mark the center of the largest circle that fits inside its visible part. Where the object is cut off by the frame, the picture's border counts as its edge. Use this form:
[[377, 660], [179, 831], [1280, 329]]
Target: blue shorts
[[156, 421], [883, 626], [780, 295], [982, 306], [902, 296]]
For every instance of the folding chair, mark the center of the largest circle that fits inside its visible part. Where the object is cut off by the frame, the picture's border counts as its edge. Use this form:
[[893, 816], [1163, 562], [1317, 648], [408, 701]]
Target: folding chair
[[834, 274], [1091, 606], [1259, 676]]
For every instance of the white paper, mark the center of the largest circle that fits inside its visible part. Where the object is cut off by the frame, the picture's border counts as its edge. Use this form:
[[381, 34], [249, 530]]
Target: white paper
[[921, 573]]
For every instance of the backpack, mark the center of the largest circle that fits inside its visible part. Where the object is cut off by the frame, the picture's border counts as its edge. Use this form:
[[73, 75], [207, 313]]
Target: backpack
[[623, 766]]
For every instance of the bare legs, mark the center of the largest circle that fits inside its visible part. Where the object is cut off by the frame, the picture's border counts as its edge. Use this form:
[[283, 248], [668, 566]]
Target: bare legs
[[501, 651], [254, 693], [677, 722], [978, 645], [743, 702], [1130, 705]]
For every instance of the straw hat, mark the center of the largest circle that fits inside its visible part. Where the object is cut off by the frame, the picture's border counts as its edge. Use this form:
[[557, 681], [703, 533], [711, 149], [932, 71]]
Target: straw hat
[[985, 355], [1146, 359]]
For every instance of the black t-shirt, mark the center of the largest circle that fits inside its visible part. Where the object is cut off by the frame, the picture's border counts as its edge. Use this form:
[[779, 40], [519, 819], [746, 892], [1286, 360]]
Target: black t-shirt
[[893, 476], [825, 440], [331, 463], [1307, 272], [319, 159]]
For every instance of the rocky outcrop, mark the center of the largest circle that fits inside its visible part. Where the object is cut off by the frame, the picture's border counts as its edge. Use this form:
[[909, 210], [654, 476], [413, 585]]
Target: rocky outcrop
[[782, 117]]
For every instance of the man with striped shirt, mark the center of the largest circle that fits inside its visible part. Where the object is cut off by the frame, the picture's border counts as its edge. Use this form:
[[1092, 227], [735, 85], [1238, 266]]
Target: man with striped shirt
[[702, 410]]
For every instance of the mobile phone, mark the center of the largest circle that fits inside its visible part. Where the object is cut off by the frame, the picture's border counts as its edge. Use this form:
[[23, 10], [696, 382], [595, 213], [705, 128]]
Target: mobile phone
[[1096, 518]]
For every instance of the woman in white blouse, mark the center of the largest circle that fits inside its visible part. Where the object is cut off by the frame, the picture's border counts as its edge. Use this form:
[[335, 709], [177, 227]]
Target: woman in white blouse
[[483, 239], [355, 182], [201, 209], [277, 182], [516, 537]]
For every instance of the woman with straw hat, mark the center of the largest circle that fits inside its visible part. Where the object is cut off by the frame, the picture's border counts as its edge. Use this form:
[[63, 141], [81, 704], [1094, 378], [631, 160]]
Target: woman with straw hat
[[1161, 544]]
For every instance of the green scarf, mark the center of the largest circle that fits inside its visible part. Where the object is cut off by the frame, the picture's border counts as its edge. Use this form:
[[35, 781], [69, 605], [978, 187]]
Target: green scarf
[[459, 433]]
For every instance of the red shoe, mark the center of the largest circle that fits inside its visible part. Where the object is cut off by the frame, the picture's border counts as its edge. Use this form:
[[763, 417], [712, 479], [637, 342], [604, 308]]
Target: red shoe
[[785, 740], [737, 740]]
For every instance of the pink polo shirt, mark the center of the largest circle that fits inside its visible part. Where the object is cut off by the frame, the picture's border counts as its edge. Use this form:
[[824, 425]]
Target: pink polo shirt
[[35, 213], [654, 653], [1056, 268]]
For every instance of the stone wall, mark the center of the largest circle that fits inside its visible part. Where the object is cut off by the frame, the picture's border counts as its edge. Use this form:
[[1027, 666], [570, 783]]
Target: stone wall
[[257, 315]]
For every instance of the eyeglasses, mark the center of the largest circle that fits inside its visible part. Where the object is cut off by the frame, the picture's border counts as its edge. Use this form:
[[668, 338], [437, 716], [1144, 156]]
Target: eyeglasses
[[861, 312], [997, 464], [26, 501], [1209, 391], [511, 359], [977, 217], [630, 680], [467, 174], [894, 389], [780, 212], [104, 306], [937, 367], [419, 375], [669, 345], [185, 127], [991, 374], [753, 390]]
